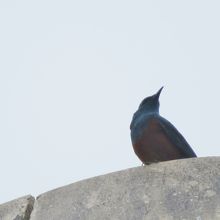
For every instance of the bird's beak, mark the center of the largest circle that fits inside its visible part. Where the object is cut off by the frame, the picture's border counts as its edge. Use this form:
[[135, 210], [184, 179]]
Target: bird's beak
[[157, 95]]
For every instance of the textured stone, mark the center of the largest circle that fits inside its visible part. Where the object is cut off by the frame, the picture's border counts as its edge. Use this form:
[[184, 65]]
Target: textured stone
[[181, 189], [19, 209]]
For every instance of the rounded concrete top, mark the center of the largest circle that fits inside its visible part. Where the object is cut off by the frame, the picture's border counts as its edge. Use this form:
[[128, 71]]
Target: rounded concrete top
[[180, 189]]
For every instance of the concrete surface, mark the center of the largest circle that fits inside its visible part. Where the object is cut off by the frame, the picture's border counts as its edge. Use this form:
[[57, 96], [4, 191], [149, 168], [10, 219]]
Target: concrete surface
[[182, 189], [19, 209]]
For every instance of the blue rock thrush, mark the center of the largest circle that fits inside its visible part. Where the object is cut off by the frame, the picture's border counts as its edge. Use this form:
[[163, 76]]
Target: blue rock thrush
[[154, 138]]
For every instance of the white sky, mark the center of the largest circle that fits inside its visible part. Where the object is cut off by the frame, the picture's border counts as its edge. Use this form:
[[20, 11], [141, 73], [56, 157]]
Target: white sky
[[73, 72]]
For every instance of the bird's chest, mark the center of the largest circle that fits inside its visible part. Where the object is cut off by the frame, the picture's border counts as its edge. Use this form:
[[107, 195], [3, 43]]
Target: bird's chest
[[152, 144], [143, 127]]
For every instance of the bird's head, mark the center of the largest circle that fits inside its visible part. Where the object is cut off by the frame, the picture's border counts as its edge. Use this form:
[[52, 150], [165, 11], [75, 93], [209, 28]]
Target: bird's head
[[151, 103]]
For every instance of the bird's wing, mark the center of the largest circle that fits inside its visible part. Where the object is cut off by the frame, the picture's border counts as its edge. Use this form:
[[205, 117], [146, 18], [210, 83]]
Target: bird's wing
[[176, 137]]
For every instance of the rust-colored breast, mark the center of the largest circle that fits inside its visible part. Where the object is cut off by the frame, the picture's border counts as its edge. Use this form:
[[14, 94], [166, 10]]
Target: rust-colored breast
[[154, 145]]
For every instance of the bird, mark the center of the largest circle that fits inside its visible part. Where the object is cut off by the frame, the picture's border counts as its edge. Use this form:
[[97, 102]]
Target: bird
[[153, 137]]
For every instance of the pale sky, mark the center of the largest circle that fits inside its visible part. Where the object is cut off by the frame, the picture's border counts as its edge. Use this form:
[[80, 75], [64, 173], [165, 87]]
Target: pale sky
[[73, 73]]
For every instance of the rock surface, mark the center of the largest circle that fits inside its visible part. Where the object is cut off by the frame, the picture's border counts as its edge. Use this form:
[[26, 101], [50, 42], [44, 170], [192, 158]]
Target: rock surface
[[19, 209], [181, 189]]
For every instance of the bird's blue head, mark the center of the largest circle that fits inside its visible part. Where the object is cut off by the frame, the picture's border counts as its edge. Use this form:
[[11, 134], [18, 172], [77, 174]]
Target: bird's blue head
[[151, 103]]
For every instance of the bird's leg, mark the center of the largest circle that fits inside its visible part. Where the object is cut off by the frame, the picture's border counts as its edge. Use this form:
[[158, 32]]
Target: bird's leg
[[149, 163], [146, 163]]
